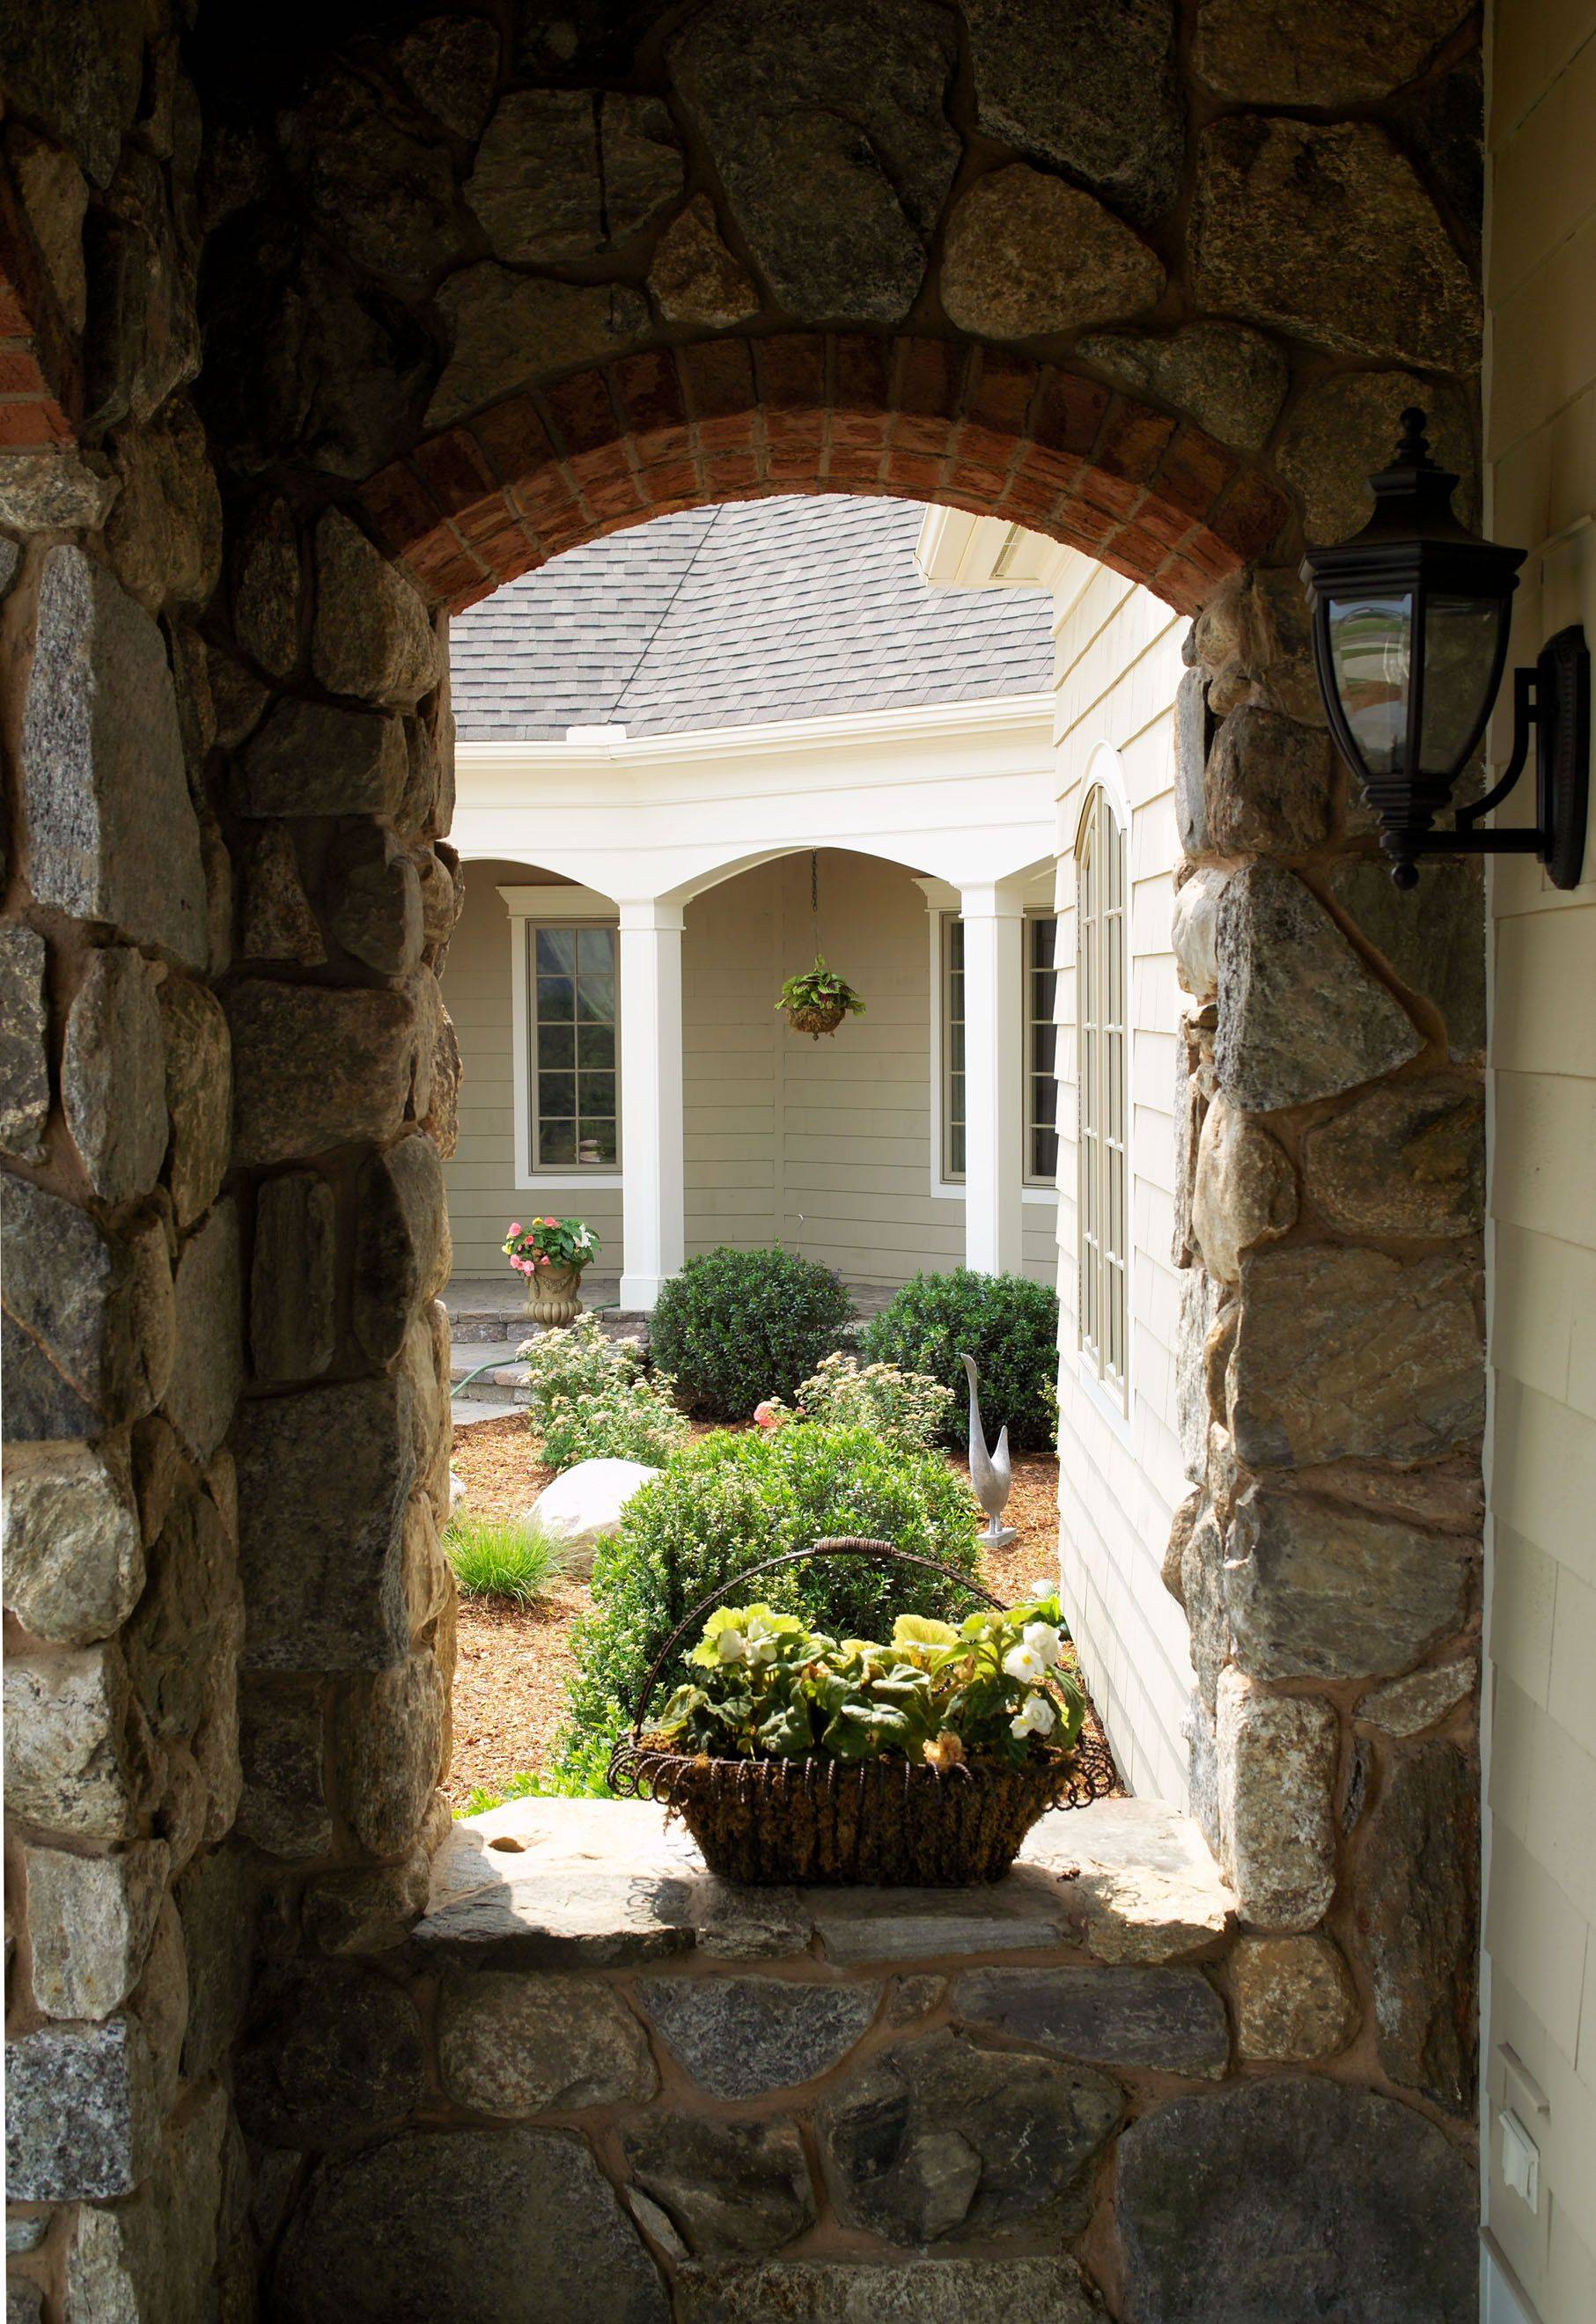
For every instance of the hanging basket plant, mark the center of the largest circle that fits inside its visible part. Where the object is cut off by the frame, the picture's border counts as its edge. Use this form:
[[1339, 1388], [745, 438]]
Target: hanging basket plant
[[817, 1001]]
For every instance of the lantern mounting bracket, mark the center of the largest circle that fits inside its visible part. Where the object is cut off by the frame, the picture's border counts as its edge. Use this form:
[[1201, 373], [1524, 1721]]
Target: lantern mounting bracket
[[1411, 630], [1551, 705]]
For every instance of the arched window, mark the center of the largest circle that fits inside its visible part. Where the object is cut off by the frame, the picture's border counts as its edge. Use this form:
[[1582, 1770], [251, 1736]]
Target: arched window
[[1102, 1096]]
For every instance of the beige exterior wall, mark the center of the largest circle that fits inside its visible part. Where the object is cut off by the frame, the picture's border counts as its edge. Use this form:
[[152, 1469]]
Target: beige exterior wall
[[1541, 1782], [823, 1145], [483, 1195], [1119, 1476]]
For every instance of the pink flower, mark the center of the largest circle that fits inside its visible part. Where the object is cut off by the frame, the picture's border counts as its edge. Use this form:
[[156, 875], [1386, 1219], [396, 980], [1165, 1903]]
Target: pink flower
[[766, 1415], [517, 1228]]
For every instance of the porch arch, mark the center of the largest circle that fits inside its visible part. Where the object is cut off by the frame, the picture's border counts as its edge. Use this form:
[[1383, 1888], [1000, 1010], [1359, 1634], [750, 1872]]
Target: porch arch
[[1148, 492]]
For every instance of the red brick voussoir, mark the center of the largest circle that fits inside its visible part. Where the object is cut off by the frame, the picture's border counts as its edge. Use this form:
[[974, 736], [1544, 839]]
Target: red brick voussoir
[[1145, 492]]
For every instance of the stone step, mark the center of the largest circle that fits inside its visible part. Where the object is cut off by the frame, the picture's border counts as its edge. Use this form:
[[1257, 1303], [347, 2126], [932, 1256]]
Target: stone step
[[502, 1385]]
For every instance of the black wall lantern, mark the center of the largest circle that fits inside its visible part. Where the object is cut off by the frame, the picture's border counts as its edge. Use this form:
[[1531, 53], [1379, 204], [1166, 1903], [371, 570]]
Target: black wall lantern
[[1410, 637]]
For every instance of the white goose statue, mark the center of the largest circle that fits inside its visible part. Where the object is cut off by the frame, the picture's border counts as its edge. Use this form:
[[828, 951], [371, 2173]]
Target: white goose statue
[[990, 1472]]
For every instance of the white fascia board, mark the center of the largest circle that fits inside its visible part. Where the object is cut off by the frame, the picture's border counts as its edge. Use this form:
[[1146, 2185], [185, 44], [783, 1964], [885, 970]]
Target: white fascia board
[[961, 789], [650, 757]]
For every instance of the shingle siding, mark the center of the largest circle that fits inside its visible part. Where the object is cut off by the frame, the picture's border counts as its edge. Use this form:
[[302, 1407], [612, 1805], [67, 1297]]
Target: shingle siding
[[750, 614]]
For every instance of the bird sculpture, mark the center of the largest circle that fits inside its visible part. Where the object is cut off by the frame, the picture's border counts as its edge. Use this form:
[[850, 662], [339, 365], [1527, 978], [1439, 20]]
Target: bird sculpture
[[990, 1472]]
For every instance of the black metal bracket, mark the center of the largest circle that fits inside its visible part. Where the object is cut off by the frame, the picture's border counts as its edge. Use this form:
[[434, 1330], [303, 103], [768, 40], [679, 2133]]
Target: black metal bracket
[[1551, 707]]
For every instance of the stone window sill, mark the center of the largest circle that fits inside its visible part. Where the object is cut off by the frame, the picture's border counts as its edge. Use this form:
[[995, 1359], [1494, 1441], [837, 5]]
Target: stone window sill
[[601, 1884]]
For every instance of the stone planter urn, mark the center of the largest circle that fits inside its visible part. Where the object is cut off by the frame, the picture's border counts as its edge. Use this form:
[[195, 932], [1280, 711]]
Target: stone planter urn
[[553, 1294]]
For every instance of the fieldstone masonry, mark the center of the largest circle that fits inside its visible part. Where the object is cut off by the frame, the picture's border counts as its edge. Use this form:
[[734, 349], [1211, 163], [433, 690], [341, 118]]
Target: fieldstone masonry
[[312, 335], [840, 2105]]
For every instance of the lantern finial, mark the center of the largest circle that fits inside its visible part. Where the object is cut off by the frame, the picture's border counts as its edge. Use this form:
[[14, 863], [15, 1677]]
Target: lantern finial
[[1413, 450]]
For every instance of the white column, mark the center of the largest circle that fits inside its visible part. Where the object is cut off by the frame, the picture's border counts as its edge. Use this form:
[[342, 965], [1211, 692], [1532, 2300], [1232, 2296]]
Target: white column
[[995, 1069], [654, 1194]]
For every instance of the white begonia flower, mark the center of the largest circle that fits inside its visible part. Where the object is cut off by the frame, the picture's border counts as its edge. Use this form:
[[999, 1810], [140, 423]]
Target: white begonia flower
[[1024, 1661], [1036, 1717], [732, 1646], [1043, 1639], [761, 1644], [1044, 1586]]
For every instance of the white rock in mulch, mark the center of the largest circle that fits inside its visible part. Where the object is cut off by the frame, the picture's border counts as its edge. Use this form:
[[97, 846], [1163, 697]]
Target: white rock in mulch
[[584, 1505], [457, 1490]]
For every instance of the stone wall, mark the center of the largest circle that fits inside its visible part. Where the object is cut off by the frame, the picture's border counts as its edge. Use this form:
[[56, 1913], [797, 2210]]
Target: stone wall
[[1330, 1192], [1078, 2095], [468, 289], [227, 1082]]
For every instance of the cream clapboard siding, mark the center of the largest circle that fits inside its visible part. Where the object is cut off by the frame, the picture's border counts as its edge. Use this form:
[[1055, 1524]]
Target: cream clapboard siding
[[480, 1180], [1120, 1479], [1540, 1930], [824, 1147]]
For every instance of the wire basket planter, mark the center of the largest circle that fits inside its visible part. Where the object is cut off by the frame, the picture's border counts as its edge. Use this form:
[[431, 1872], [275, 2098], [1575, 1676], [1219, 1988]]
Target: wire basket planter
[[816, 1017], [821, 1822]]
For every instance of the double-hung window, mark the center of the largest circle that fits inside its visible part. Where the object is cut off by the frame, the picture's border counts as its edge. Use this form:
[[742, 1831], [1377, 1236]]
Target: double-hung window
[[564, 966], [1036, 1000], [573, 1026], [954, 1115], [1041, 1045], [1102, 1098]]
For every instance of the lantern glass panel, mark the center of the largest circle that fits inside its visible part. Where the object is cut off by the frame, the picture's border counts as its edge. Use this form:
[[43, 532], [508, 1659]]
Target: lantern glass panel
[[1371, 656], [1461, 640]]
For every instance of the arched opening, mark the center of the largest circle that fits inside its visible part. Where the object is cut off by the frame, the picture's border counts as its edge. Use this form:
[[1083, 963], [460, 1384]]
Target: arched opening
[[310, 238]]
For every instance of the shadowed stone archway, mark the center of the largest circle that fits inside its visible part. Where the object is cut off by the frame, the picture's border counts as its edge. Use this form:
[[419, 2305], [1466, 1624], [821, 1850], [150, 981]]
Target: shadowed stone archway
[[318, 329]]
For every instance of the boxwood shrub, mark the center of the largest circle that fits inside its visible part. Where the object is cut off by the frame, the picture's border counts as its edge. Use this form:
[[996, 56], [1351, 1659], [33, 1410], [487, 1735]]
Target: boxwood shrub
[[732, 1499], [1007, 1322], [735, 1326]]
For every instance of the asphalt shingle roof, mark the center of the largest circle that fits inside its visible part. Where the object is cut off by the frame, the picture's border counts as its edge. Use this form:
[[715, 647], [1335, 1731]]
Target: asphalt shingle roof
[[748, 613]]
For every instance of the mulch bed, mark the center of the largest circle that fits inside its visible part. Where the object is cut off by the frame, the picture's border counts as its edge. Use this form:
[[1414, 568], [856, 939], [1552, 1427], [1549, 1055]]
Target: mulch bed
[[513, 1665]]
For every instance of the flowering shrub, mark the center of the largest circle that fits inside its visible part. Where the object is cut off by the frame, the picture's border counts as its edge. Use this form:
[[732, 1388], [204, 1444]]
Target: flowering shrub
[[549, 1242], [909, 1406], [763, 1685], [729, 1501], [589, 1399]]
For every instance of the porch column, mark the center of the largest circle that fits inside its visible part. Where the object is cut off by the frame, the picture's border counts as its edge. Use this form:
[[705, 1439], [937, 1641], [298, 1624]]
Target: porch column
[[994, 1070], [654, 1196]]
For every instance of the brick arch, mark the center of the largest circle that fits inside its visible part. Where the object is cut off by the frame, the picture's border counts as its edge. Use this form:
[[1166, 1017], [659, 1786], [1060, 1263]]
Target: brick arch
[[1140, 490]]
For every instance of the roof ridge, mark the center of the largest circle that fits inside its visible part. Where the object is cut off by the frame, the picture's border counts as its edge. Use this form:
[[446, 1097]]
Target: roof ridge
[[716, 515]]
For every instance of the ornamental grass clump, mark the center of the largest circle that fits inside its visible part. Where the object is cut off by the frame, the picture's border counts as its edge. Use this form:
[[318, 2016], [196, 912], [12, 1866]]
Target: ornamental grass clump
[[1000, 1688], [503, 1557], [589, 1399], [729, 1501]]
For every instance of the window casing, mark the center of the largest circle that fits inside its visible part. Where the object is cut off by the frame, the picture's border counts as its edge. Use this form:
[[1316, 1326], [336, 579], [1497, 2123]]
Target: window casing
[[1102, 1096], [572, 1036]]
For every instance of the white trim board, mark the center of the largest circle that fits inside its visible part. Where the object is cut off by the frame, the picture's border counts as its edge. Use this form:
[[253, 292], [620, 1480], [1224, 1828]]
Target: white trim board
[[533, 906]]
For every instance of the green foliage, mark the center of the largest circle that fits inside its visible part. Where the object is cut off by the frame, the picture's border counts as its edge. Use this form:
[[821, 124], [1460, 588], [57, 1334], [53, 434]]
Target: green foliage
[[1008, 1323], [502, 1557], [763, 1685], [589, 1399], [845, 1394], [736, 1326], [481, 1797], [820, 988], [732, 1500]]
